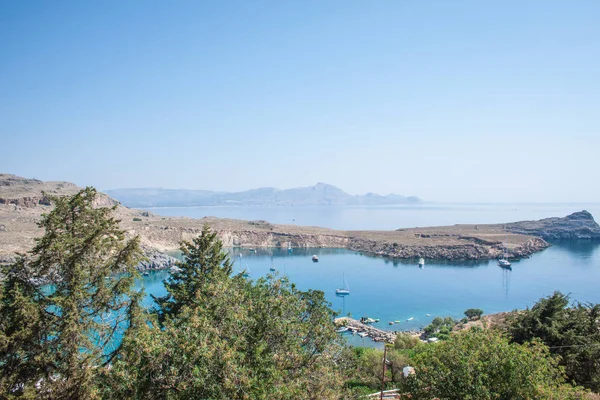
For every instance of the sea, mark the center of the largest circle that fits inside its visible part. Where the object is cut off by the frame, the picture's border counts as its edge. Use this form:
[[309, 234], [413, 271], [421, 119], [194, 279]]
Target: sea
[[399, 291]]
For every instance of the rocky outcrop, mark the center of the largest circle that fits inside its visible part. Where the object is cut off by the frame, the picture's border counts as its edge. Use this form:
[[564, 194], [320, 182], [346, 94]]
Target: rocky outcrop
[[28, 193], [26, 201], [14, 180], [579, 225], [472, 249], [154, 260], [249, 238]]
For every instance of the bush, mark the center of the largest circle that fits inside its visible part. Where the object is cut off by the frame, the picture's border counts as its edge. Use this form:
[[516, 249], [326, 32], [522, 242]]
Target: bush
[[485, 365], [473, 313], [136, 219], [571, 332], [405, 341], [440, 327]]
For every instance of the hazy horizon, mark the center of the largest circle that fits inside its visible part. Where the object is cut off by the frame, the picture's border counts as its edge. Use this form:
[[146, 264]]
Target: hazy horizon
[[463, 101]]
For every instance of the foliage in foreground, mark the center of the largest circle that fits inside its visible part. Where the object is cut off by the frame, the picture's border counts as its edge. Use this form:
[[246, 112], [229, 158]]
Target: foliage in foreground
[[226, 337], [52, 337], [572, 332], [480, 364]]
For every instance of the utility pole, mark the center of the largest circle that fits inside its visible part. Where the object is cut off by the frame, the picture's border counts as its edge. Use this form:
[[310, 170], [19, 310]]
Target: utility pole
[[383, 373]]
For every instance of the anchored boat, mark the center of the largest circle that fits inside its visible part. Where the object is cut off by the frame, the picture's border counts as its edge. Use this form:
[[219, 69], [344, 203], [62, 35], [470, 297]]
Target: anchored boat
[[503, 262], [345, 290]]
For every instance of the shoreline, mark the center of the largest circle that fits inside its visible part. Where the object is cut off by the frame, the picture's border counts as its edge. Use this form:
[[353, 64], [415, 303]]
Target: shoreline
[[24, 203], [378, 335]]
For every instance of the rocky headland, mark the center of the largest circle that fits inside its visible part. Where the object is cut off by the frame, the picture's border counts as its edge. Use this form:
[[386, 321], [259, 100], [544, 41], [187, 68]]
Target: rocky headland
[[577, 226], [22, 203]]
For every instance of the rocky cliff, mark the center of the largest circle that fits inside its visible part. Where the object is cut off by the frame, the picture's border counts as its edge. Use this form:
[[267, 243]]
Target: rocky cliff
[[579, 225], [471, 249]]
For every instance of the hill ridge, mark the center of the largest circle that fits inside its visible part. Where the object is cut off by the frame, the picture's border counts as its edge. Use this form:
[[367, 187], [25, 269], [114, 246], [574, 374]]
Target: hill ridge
[[321, 194]]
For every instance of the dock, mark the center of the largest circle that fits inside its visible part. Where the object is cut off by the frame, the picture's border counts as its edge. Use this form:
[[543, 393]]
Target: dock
[[377, 335]]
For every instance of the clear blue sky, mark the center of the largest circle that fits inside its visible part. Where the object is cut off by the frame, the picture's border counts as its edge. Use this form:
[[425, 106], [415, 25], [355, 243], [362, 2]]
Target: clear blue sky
[[447, 100]]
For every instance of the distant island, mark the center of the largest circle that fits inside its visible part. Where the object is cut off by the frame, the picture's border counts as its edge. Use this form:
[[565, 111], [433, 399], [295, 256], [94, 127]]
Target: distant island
[[321, 194]]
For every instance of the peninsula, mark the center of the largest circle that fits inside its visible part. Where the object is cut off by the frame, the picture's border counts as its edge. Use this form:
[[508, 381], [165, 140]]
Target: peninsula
[[22, 202]]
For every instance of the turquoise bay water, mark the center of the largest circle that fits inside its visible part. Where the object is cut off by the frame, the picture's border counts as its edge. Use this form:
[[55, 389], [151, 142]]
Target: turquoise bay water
[[398, 290]]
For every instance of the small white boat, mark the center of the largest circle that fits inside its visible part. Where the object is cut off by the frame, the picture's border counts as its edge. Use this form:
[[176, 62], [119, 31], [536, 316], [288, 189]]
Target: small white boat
[[315, 258], [363, 334], [503, 262], [429, 315], [343, 329], [411, 318], [343, 291], [146, 273], [421, 262]]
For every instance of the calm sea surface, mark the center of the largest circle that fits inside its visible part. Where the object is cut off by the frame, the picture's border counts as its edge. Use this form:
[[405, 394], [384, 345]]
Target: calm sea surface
[[394, 290], [385, 217]]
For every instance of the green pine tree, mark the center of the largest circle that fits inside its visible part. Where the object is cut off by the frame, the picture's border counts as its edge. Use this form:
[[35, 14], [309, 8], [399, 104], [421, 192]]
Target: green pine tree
[[204, 262], [64, 303]]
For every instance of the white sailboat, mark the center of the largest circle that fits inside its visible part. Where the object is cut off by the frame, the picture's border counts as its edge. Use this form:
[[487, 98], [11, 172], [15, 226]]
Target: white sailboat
[[343, 291], [503, 262], [245, 271]]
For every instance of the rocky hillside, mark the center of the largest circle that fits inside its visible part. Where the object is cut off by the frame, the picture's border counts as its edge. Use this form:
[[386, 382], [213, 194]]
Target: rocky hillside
[[28, 193], [579, 225], [22, 201], [24, 192]]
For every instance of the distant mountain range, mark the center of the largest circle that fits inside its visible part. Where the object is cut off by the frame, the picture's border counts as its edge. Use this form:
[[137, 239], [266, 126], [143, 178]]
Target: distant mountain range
[[320, 194]]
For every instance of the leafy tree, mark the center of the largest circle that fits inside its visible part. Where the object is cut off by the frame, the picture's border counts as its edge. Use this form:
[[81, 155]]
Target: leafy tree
[[63, 304], [405, 341], [472, 313], [571, 332], [440, 327], [483, 364], [223, 336]]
